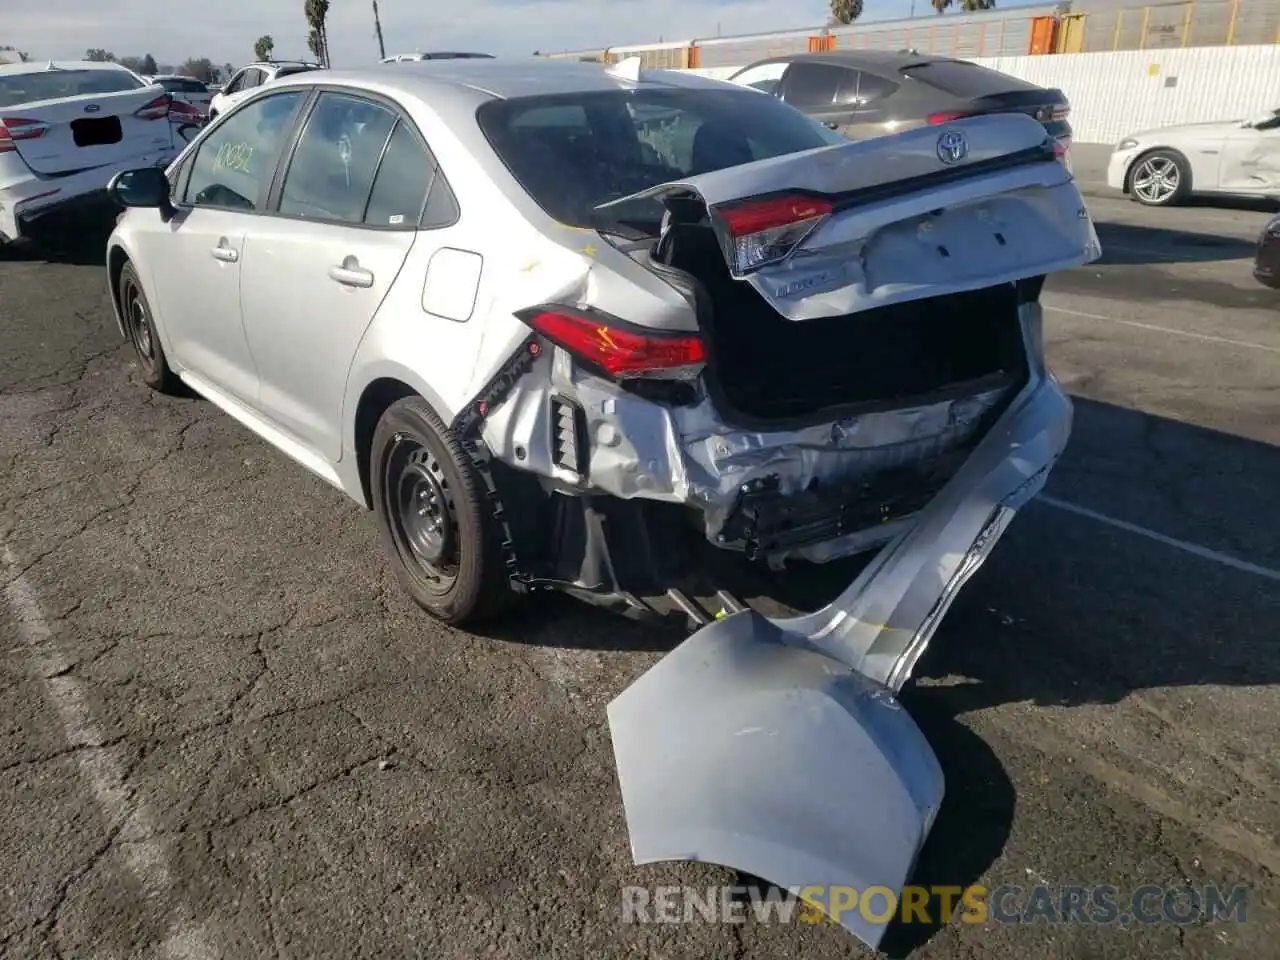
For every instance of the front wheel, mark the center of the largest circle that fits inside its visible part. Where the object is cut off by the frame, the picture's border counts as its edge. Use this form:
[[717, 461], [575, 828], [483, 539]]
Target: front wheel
[[434, 517], [1160, 179], [139, 324]]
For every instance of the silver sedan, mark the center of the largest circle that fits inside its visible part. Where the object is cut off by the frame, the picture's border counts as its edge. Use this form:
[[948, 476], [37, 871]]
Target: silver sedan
[[663, 344]]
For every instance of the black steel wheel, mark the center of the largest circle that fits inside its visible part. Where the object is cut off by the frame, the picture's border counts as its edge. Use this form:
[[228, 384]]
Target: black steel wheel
[[434, 517], [139, 326]]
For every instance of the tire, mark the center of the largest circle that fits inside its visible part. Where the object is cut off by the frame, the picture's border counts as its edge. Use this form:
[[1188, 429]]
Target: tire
[[1172, 178], [139, 326], [455, 571]]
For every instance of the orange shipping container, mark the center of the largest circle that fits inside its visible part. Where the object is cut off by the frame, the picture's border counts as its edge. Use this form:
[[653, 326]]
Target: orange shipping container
[[1043, 30]]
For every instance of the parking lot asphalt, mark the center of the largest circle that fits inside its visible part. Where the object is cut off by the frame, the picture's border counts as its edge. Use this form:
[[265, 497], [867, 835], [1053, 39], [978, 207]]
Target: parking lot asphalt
[[224, 732]]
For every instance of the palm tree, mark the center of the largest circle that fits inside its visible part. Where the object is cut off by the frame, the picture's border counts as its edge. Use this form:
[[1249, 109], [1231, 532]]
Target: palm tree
[[263, 47], [316, 12], [845, 11]]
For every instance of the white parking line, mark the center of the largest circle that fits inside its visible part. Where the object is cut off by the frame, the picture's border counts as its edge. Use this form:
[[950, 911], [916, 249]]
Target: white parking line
[[1194, 549], [144, 853], [1208, 337]]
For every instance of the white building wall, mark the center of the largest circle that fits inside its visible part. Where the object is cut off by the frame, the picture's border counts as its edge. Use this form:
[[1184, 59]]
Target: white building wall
[[1115, 93]]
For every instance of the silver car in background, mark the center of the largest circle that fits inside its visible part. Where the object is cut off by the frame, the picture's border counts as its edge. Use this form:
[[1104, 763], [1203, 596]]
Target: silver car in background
[[661, 343]]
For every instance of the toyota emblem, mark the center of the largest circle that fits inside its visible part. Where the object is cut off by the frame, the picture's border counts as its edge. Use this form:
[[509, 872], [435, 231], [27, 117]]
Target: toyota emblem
[[92, 108], [952, 147]]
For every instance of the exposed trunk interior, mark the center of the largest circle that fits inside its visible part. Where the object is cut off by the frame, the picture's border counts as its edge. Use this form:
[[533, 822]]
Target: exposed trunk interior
[[764, 368]]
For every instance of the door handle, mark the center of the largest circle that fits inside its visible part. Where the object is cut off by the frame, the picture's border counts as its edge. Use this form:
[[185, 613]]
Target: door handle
[[351, 274], [225, 254]]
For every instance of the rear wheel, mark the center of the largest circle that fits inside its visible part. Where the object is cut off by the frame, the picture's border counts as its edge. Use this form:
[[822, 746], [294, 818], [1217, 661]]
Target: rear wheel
[[434, 518], [1160, 179], [139, 325]]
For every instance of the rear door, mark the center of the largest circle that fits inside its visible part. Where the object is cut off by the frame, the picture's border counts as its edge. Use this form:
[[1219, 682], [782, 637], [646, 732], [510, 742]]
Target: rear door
[[344, 218], [815, 88], [65, 121]]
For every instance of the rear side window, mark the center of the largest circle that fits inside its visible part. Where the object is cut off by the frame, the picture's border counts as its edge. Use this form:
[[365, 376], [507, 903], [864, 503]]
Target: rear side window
[[871, 87], [332, 170], [812, 84], [400, 189], [571, 152], [963, 79], [238, 159], [53, 84]]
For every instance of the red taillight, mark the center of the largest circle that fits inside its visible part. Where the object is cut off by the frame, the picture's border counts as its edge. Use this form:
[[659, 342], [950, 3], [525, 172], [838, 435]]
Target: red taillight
[[764, 231], [946, 116], [603, 343], [157, 109], [1060, 147], [753, 216], [13, 129]]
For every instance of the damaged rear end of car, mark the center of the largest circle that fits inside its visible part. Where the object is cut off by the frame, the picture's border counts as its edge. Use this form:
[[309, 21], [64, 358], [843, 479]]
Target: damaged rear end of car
[[796, 407]]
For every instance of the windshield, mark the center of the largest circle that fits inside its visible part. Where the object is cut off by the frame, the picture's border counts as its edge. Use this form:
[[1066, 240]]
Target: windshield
[[572, 152], [54, 84]]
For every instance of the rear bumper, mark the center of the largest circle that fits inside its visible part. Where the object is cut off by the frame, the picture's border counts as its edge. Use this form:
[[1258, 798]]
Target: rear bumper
[[777, 747], [29, 198]]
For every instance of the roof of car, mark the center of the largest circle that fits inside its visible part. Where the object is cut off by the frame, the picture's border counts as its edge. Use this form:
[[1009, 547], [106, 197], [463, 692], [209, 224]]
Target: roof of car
[[500, 78], [41, 66], [874, 59]]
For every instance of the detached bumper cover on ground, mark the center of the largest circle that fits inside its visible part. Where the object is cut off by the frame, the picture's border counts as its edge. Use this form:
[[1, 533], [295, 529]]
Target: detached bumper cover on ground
[[777, 747]]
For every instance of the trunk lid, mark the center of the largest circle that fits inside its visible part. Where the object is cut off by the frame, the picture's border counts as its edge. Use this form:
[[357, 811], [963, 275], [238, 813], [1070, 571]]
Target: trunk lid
[[1048, 107], [83, 131], [924, 213]]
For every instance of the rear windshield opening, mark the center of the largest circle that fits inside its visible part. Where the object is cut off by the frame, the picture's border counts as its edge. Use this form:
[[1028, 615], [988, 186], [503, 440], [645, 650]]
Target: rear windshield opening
[[571, 152], [54, 84], [963, 79]]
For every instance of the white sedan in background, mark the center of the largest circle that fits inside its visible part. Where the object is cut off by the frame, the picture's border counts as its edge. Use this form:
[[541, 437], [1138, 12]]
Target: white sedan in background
[[66, 128], [1165, 166]]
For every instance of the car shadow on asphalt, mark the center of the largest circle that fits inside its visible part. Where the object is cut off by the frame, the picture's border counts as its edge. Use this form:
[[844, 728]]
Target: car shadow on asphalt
[[80, 241], [1127, 244]]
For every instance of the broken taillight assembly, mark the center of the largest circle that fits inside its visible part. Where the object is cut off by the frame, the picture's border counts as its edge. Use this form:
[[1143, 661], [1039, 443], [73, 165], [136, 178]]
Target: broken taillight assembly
[[758, 232], [613, 347], [13, 129], [157, 109], [180, 110]]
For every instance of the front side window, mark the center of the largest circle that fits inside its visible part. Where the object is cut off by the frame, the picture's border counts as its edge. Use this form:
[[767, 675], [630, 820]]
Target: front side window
[[33, 87], [237, 160], [571, 152], [331, 174]]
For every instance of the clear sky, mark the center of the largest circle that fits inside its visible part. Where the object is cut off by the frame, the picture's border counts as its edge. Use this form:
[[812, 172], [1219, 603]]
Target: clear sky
[[224, 30]]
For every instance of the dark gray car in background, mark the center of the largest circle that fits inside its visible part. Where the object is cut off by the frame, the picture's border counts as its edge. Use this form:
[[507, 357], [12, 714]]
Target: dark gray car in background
[[869, 93]]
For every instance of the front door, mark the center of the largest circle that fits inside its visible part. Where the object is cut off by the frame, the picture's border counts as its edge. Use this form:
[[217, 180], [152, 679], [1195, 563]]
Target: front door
[[315, 273], [197, 268], [1251, 160]]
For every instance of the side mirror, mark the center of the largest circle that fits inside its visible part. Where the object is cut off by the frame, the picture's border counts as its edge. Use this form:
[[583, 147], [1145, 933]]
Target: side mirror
[[143, 187]]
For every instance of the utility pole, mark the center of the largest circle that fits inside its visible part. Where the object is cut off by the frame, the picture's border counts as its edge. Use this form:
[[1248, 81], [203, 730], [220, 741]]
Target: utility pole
[[377, 26]]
